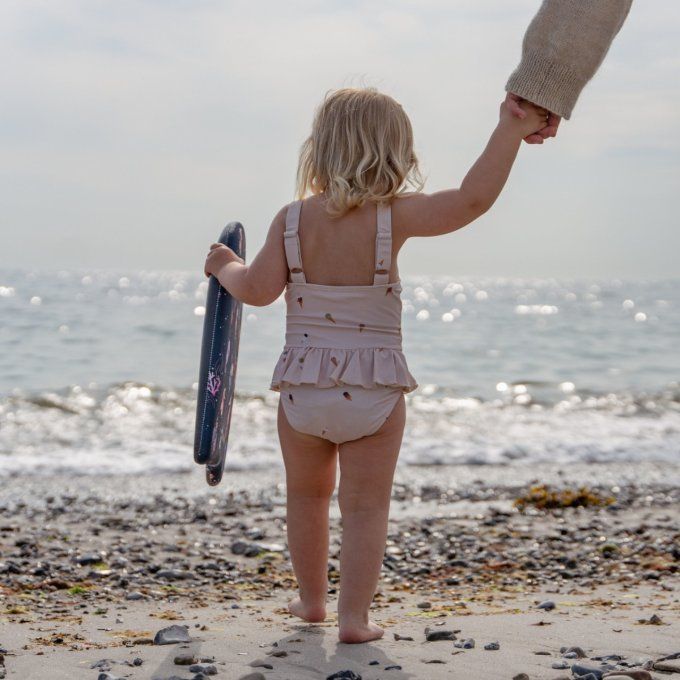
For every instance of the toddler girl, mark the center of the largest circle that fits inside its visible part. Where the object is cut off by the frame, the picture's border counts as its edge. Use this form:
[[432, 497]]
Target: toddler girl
[[342, 375]]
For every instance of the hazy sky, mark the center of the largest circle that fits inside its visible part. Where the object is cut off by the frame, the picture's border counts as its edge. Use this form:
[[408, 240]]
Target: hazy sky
[[131, 132]]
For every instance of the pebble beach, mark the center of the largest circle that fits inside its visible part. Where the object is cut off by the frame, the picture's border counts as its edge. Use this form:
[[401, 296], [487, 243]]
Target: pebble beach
[[487, 573]]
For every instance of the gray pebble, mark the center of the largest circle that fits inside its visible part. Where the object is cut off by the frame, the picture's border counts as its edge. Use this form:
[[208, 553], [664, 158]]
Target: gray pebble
[[172, 635], [205, 668], [92, 558], [174, 574], [185, 660], [435, 635], [668, 665], [573, 653], [492, 646], [548, 605], [583, 671], [468, 643], [103, 664], [344, 675]]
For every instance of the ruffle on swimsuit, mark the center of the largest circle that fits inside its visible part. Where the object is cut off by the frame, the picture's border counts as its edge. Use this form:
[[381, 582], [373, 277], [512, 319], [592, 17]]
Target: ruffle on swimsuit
[[329, 366], [342, 335]]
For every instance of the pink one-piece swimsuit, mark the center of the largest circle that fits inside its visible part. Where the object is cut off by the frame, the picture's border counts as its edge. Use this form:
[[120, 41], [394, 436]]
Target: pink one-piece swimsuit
[[342, 369]]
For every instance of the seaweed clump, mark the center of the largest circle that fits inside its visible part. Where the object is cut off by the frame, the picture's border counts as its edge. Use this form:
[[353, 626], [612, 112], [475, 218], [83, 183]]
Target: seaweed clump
[[544, 498]]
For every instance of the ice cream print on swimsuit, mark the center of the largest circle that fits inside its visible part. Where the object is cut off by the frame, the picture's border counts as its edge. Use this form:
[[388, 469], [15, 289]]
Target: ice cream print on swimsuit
[[342, 368]]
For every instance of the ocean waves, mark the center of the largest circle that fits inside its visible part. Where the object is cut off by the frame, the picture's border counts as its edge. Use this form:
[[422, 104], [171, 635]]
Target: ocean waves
[[144, 428]]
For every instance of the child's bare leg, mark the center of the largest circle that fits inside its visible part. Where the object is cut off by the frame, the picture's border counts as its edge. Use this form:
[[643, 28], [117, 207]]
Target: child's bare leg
[[310, 481], [366, 473]]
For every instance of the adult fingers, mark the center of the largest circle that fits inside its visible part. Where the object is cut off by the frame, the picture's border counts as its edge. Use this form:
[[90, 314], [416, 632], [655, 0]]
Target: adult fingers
[[534, 138], [553, 124], [512, 102]]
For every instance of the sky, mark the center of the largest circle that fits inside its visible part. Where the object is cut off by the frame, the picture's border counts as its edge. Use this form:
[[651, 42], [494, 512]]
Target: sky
[[131, 132]]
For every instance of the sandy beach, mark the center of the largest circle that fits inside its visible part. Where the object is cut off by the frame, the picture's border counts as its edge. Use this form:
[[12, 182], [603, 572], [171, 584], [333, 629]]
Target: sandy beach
[[92, 569]]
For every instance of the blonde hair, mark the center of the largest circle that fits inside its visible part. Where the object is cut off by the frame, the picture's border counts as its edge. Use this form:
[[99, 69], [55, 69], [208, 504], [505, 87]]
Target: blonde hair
[[360, 149]]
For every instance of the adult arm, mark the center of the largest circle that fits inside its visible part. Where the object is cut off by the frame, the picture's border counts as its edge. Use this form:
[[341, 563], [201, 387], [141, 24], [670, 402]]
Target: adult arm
[[562, 49]]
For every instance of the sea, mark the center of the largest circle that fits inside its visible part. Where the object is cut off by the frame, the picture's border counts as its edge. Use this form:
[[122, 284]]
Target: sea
[[99, 368]]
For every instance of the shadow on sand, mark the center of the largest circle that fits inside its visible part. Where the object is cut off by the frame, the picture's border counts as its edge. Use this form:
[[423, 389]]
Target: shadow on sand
[[314, 652]]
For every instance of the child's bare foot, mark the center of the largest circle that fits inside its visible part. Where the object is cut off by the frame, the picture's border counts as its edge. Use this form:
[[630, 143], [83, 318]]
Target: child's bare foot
[[353, 633], [310, 613]]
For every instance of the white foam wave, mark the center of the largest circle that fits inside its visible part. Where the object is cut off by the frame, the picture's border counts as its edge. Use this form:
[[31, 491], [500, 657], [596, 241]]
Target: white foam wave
[[137, 428]]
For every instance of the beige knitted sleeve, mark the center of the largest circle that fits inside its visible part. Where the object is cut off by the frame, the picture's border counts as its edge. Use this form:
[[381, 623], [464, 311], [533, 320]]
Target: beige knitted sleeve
[[563, 47]]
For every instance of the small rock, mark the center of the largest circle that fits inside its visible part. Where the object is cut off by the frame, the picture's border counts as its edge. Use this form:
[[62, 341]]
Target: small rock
[[259, 663], [573, 653], [668, 665], [393, 668], [172, 635], [547, 605], [626, 675], [103, 664], [173, 574], [468, 643], [435, 635], [185, 660], [424, 605], [253, 676], [521, 676], [92, 558], [560, 665], [653, 620], [134, 595], [492, 646], [108, 676], [585, 671], [206, 668], [344, 675]]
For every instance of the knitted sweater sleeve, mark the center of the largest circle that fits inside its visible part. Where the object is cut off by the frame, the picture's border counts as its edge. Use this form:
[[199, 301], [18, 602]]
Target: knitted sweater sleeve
[[563, 47]]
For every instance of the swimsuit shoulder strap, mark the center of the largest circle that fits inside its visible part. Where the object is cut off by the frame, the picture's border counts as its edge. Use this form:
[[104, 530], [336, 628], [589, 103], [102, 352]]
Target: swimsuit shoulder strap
[[291, 242], [383, 244]]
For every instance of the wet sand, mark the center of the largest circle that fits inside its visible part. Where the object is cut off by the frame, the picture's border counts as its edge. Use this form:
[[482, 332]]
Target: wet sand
[[91, 569]]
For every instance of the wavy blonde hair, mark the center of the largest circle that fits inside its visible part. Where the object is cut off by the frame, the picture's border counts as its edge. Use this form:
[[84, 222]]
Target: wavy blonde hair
[[360, 149]]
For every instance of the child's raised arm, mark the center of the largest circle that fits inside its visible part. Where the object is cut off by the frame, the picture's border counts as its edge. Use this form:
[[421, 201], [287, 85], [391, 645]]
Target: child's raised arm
[[264, 279], [445, 211]]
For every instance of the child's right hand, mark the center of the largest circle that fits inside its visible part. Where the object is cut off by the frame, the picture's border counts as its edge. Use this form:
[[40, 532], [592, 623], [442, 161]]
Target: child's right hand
[[535, 119]]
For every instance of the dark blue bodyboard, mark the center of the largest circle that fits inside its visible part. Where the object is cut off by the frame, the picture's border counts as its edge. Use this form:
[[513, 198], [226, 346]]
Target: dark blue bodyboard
[[217, 376]]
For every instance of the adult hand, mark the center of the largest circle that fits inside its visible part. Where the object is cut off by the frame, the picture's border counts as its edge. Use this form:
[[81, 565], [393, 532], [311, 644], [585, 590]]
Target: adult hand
[[550, 130]]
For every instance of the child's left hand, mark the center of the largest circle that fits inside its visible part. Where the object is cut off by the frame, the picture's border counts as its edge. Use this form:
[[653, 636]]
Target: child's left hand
[[218, 256]]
